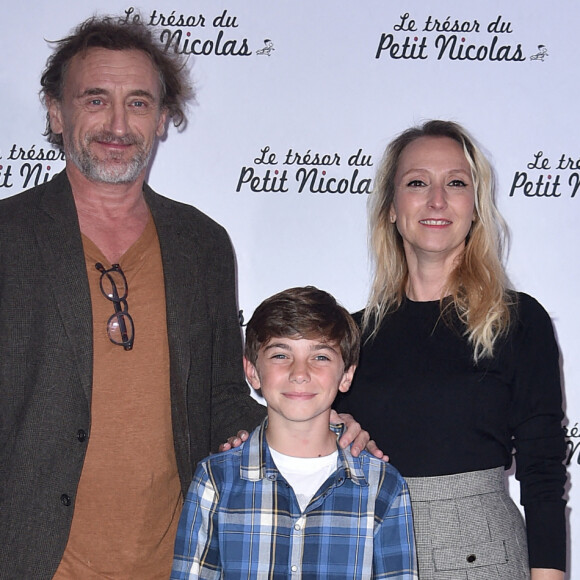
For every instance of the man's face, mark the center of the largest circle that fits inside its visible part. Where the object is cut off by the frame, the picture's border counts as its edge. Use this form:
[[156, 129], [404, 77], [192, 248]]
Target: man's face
[[110, 114]]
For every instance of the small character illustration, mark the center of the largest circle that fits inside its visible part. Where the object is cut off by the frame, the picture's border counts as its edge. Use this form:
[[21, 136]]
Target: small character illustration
[[542, 52], [267, 50]]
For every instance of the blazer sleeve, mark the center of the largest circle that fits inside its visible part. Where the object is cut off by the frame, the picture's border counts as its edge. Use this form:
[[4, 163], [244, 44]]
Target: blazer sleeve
[[232, 406]]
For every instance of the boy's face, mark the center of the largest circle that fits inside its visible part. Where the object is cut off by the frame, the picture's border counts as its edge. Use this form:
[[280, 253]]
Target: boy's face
[[299, 377]]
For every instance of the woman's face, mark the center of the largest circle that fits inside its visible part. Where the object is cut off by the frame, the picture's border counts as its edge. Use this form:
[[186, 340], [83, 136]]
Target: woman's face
[[434, 203]]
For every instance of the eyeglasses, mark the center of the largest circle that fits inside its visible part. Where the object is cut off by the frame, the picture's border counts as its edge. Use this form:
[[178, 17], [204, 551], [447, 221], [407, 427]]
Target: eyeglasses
[[120, 327]]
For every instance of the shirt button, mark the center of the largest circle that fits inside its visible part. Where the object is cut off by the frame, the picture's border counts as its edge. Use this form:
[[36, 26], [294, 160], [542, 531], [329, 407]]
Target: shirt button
[[297, 527], [294, 568], [81, 435], [65, 499], [471, 558]]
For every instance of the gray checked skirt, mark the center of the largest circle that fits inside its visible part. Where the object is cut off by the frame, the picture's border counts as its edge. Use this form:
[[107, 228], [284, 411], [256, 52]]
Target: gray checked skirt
[[468, 528]]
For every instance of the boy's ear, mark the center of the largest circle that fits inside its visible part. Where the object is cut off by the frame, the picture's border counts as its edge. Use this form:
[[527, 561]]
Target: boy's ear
[[252, 374], [346, 380]]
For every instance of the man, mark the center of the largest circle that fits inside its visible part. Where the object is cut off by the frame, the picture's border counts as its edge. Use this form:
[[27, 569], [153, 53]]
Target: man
[[120, 350]]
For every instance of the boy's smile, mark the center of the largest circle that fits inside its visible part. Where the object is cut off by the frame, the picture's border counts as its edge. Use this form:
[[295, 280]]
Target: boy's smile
[[299, 378]]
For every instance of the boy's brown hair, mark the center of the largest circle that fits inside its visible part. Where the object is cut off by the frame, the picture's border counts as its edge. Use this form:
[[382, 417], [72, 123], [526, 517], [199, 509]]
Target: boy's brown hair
[[303, 312]]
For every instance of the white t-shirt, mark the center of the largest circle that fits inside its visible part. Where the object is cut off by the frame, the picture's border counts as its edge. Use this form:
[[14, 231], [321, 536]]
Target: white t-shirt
[[305, 474]]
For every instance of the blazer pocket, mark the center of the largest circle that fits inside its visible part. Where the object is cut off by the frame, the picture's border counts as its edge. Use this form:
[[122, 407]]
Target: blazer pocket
[[472, 556]]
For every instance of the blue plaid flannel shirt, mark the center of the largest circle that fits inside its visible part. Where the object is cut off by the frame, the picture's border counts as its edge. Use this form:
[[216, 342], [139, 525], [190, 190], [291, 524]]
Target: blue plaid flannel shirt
[[241, 519]]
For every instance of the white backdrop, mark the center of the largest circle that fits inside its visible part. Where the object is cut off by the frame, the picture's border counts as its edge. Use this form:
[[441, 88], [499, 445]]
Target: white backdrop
[[296, 102]]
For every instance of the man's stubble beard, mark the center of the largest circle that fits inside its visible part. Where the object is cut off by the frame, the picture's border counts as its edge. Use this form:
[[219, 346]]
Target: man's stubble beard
[[112, 169]]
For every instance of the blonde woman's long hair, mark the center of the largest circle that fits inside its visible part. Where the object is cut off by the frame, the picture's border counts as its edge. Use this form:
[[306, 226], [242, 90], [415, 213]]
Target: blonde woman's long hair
[[477, 288]]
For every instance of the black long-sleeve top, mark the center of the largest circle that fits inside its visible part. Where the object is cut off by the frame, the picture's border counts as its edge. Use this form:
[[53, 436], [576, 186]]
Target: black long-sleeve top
[[435, 412]]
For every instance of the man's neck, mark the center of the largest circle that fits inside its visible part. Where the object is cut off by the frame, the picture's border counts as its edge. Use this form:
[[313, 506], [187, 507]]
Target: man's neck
[[105, 200], [113, 216]]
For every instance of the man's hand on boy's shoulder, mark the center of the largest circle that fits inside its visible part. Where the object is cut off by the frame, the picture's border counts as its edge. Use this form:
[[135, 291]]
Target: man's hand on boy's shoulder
[[356, 435], [353, 433], [234, 441]]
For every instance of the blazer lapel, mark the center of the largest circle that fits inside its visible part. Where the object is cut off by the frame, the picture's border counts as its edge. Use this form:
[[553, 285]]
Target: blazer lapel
[[180, 266], [60, 243]]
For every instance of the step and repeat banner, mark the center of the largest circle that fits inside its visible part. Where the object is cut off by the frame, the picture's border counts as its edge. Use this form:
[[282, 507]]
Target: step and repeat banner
[[296, 101]]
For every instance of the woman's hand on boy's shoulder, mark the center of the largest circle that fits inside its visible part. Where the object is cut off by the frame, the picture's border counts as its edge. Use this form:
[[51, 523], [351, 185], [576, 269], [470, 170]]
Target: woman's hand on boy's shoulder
[[356, 435], [353, 433]]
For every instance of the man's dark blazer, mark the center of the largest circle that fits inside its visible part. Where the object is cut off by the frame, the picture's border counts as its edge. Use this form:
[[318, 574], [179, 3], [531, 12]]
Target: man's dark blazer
[[46, 360]]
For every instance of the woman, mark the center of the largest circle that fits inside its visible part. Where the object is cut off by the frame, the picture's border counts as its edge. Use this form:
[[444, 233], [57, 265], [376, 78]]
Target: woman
[[458, 372]]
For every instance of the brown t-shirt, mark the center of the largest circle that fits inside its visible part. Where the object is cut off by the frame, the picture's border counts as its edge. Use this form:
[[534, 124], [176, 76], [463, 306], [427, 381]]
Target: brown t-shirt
[[129, 496]]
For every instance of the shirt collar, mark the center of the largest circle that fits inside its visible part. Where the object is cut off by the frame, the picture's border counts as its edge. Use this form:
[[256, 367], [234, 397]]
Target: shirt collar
[[257, 462]]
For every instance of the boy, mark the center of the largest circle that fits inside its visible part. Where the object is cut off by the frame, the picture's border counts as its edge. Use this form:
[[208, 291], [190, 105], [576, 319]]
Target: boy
[[289, 502]]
